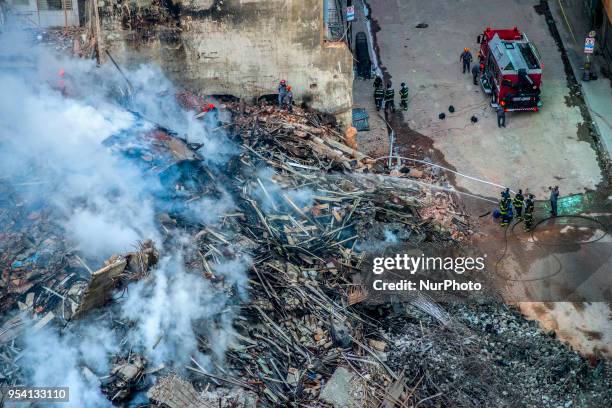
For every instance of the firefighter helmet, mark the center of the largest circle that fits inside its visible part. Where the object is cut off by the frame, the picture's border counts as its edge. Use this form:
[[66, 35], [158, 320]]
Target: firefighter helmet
[[283, 82], [288, 87]]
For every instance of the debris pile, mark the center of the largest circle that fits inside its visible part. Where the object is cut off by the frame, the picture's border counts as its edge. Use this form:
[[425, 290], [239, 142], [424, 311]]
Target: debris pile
[[306, 207], [125, 377], [489, 355]]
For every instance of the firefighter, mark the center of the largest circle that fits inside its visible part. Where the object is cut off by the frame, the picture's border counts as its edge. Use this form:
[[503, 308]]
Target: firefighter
[[288, 99], [403, 93], [390, 98], [510, 208], [378, 83], [379, 95], [503, 210], [466, 59], [282, 90], [517, 204], [529, 207], [475, 73], [501, 116], [506, 193]]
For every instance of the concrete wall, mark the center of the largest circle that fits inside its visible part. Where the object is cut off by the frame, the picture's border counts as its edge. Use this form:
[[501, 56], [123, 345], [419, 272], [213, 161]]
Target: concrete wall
[[237, 47]]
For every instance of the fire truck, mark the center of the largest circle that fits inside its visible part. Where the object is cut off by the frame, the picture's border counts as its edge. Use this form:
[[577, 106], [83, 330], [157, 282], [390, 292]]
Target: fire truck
[[511, 69]]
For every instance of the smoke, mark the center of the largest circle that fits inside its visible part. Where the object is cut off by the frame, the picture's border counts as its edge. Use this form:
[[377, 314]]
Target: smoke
[[209, 210], [271, 195], [154, 97], [166, 310], [56, 144], [390, 237], [52, 151], [373, 245], [54, 360]]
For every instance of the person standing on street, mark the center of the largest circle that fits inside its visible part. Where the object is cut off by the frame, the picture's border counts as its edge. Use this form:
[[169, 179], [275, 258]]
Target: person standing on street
[[517, 204], [529, 207], [554, 197], [404, 97], [466, 59], [506, 193], [390, 98], [504, 209], [501, 117], [475, 73]]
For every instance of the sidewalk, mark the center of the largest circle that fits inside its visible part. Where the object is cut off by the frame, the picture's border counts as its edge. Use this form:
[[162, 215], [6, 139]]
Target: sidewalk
[[597, 94], [374, 142]]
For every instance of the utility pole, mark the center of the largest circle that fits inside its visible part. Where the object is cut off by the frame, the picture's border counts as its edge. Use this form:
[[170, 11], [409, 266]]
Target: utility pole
[[65, 17], [99, 43], [589, 47]]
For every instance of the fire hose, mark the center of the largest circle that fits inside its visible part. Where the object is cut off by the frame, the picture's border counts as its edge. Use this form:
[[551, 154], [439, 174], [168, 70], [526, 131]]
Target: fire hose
[[532, 231], [542, 244], [427, 163]]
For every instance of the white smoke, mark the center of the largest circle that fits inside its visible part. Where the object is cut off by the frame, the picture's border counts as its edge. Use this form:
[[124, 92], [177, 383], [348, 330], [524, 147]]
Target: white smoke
[[51, 150], [210, 210], [269, 193], [154, 96], [54, 360], [57, 142], [390, 237]]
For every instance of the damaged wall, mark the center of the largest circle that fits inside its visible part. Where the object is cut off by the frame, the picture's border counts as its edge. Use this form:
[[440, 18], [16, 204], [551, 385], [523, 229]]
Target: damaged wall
[[237, 47]]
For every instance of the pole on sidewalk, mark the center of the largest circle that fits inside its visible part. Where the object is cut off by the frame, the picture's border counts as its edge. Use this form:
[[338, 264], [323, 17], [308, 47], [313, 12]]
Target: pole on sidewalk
[[589, 48], [586, 74]]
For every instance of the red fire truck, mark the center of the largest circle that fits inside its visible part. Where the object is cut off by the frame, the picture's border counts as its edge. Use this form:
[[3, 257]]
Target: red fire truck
[[511, 69]]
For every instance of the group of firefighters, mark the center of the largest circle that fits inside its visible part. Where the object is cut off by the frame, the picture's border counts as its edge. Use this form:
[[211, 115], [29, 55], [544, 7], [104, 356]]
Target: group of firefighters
[[385, 96], [466, 59], [510, 208]]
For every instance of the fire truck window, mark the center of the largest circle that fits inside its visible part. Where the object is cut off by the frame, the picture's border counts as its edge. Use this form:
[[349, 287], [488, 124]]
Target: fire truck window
[[509, 46]]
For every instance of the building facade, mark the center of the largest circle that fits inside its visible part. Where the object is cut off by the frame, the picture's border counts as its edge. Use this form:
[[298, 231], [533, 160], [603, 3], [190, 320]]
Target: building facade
[[238, 47], [46, 13]]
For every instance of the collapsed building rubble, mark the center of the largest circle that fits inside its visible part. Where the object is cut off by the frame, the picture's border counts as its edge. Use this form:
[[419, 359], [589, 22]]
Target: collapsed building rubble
[[125, 376], [306, 206]]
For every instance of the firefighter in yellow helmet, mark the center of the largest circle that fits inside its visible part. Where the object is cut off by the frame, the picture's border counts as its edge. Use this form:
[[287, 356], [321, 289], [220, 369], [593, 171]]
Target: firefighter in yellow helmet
[[466, 59]]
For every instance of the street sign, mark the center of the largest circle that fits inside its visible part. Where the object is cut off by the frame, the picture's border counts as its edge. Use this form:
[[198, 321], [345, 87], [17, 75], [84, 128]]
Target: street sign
[[589, 45], [350, 13]]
